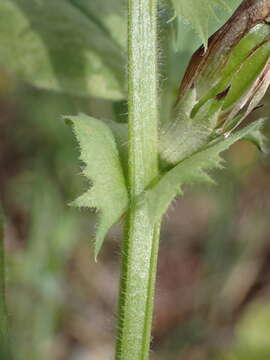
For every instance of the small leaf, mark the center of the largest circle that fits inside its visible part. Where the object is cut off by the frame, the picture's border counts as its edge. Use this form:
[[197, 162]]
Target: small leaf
[[103, 169], [192, 170], [257, 138], [55, 45]]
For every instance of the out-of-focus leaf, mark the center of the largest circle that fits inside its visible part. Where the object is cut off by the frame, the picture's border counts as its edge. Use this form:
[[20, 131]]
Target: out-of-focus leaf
[[103, 169], [39, 268], [253, 330], [108, 15], [193, 169], [251, 341], [55, 45]]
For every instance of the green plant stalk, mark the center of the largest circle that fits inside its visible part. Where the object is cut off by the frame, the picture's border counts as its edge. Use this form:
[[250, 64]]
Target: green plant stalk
[[4, 336], [2, 277], [140, 248]]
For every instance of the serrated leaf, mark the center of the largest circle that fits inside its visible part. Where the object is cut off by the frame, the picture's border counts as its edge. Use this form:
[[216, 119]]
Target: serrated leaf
[[120, 132], [198, 14], [108, 193], [54, 45], [191, 170], [257, 138]]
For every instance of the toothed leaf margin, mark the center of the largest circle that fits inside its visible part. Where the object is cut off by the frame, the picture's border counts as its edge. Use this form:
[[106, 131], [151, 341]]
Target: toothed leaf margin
[[102, 167], [193, 169]]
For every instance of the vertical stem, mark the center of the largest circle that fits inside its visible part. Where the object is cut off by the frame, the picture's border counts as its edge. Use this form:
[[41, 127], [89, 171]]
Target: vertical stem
[[140, 247], [4, 338]]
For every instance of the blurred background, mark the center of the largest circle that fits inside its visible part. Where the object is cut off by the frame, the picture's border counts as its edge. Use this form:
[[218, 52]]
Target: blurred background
[[213, 289]]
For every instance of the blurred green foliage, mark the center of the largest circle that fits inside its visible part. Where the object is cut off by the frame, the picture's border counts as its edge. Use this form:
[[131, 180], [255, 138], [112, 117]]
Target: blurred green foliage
[[65, 45], [46, 239], [251, 335]]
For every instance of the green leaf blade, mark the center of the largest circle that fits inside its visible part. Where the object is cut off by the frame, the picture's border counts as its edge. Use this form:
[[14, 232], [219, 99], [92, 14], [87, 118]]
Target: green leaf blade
[[103, 169]]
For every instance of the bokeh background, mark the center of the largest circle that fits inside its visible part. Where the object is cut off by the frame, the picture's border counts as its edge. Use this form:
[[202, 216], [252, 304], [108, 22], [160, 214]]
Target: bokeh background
[[213, 289]]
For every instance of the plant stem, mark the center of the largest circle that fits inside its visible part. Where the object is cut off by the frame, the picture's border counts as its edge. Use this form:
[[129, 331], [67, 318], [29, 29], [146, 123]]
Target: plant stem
[[140, 248], [4, 336]]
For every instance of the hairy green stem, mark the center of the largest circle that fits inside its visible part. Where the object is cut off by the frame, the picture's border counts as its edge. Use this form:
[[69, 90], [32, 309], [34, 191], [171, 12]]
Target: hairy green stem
[[141, 240]]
